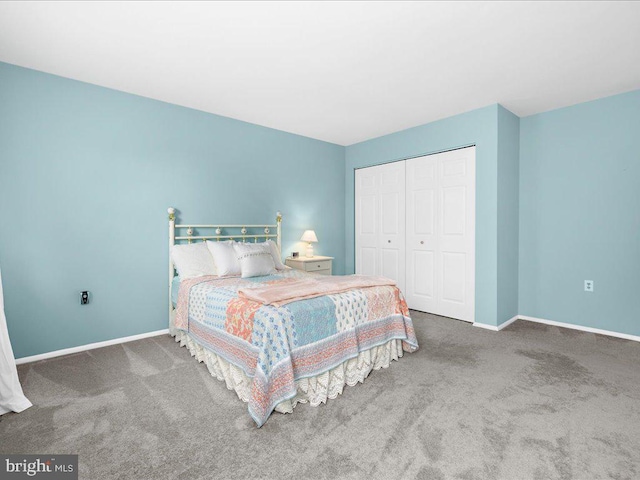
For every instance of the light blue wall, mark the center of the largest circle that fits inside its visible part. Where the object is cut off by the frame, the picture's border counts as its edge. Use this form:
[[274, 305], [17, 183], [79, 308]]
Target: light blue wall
[[479, 127], [86, 176], [580, 214], [508, 211]]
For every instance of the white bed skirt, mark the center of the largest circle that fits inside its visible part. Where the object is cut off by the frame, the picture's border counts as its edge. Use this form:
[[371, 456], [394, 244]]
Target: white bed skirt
[[313, 390]]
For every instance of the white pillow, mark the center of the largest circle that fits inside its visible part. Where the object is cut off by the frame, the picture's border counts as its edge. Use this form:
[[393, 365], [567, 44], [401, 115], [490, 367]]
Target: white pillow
[[275, 253], [255, 259], [192, 260], [224, 257]]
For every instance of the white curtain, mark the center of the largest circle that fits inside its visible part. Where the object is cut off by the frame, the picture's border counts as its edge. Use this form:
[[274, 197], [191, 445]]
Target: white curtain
[[11, 397]]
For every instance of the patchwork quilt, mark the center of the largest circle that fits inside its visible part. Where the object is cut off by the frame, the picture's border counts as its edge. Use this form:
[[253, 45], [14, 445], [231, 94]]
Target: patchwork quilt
[[275, 346]]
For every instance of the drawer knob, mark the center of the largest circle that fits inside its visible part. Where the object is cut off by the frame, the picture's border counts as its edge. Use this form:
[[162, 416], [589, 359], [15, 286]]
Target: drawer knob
[[388, 241], [421, 242]]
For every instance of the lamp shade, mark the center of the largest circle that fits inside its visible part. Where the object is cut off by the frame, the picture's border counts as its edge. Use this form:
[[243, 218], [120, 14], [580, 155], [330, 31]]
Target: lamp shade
[[309, 236]]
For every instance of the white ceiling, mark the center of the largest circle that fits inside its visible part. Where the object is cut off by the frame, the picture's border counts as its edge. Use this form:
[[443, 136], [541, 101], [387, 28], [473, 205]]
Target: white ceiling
[[342, 72]]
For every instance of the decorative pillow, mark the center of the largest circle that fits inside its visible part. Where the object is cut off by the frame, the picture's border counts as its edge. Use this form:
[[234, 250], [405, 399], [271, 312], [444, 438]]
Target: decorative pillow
[[224, 257], [192, 260], [275, 253], [255, 259]]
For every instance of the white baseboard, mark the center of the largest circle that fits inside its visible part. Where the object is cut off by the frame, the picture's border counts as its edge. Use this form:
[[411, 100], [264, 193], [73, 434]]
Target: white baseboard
[[496, 328], [90, 346], [599, 331], [493, 328]]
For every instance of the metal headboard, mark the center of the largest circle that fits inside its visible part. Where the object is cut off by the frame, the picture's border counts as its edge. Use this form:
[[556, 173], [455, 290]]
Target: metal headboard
[[220, 232]]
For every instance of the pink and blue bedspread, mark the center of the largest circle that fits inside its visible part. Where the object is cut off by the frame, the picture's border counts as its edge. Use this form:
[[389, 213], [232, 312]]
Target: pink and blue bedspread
[[276, 346]]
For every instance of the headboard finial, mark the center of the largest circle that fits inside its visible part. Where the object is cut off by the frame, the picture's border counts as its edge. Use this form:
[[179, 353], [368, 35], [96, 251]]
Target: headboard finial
[[279, 228], [172, 213]]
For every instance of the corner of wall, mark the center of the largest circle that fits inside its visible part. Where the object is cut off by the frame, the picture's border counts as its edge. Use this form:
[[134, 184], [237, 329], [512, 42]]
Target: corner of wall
[[508, 214]]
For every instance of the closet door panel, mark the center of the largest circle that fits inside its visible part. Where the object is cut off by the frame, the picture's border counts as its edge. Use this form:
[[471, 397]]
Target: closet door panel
[[421, 240], [453, 211], [368, 261], [422, 286], [366, 220], [456, 266], [392, 222], [453, 277], [389, 207], [390, 264], [422, 211]]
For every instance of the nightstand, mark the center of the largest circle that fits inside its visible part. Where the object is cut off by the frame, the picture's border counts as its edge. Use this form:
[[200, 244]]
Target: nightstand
[[316, 264]]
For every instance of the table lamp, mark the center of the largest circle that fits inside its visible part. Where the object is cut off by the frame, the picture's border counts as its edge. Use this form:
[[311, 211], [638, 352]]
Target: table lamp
[[309, 236]]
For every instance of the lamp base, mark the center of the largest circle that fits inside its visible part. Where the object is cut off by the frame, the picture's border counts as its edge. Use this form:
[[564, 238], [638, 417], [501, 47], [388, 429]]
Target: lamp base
[[309, 251]]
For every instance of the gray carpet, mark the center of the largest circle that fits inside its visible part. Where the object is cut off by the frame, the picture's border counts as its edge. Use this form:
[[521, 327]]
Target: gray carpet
[[532, 401]]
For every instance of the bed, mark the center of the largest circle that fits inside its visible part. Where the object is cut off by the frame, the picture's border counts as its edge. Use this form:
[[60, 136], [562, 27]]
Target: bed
[[288, 337]]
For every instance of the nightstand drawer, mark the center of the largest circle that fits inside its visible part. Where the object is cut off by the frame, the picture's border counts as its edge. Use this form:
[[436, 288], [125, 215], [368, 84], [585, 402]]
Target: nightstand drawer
[[319, 265]]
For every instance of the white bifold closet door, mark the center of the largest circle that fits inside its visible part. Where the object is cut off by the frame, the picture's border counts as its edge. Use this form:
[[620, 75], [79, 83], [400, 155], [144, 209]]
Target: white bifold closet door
[[441, 234], [415, 223], [380, 221]]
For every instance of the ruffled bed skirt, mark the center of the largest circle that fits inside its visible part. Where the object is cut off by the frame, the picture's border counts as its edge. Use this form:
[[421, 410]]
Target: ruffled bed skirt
[[313, 390]]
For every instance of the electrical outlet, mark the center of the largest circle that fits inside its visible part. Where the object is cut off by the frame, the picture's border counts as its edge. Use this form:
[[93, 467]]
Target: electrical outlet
[[84, 298], [588, 285]]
